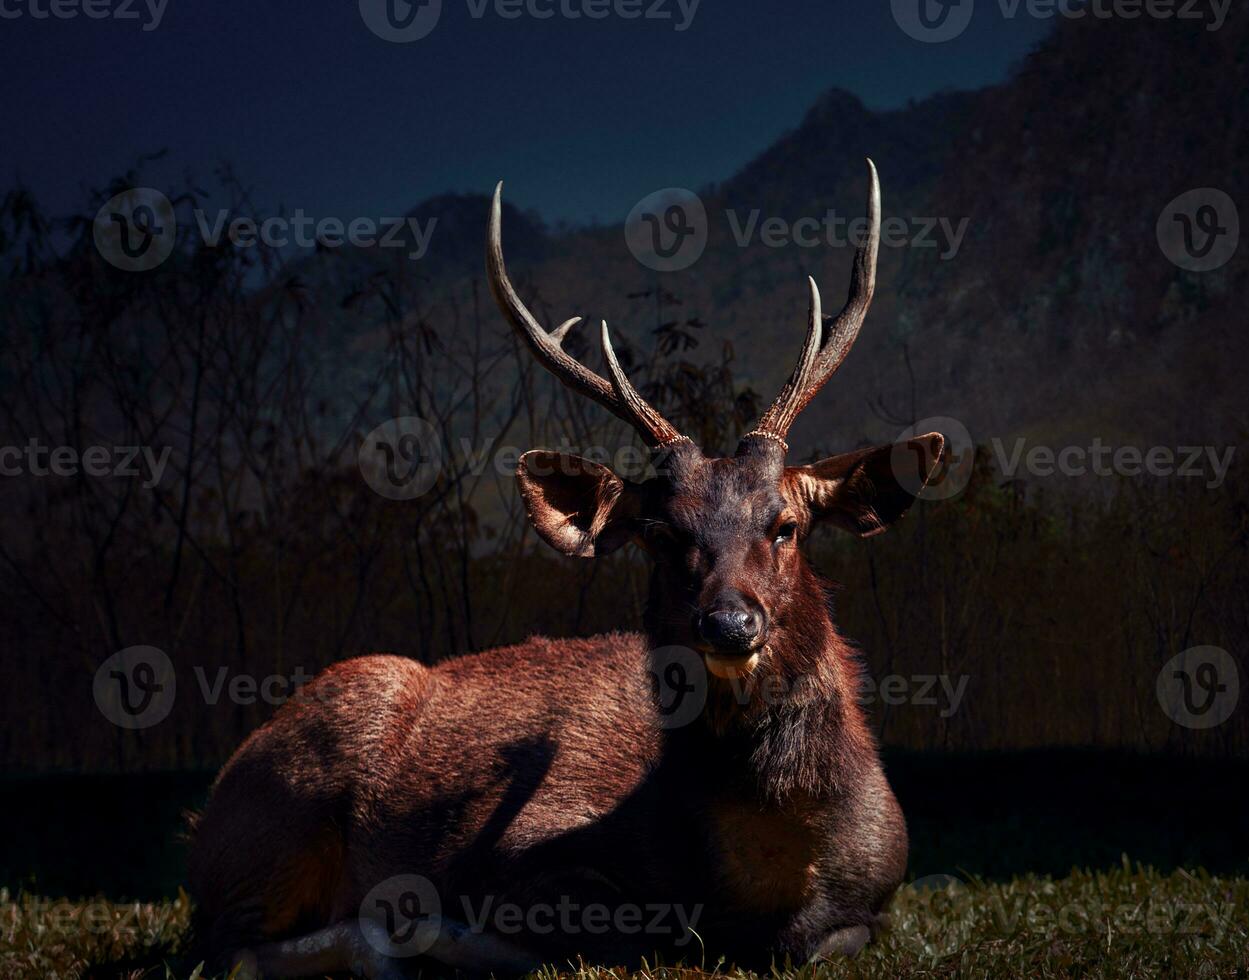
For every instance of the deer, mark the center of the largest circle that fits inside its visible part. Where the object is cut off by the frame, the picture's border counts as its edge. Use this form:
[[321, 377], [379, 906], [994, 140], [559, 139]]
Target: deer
[[378, 817]]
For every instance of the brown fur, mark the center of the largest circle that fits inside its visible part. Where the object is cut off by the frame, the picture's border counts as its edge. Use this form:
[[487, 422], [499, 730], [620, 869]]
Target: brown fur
[[545, 773], [540, 771]]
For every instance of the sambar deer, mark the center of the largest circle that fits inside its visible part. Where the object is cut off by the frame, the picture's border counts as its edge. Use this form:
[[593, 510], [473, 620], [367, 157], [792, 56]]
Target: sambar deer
[[542, 802]]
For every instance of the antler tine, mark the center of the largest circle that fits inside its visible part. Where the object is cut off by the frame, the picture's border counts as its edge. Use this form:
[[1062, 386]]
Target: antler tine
[[545, 346], [622, 401], [816, 366], [775, 424], [657, 428]]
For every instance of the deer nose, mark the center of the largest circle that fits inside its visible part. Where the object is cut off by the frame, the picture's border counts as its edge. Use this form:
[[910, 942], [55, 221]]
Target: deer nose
[[730, 630]]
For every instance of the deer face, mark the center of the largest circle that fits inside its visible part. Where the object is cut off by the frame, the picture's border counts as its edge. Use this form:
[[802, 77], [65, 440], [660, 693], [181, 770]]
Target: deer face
[[723, 533]]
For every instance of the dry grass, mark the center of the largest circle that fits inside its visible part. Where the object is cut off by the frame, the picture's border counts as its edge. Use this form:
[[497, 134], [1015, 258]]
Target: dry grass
[[1128, 922]]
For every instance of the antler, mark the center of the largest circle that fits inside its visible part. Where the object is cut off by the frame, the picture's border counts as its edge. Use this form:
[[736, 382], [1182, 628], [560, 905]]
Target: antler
[[823, 351], [618, 396]]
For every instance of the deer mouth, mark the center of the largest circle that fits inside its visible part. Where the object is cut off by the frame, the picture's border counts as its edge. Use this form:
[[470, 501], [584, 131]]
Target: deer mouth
[[732, 666]]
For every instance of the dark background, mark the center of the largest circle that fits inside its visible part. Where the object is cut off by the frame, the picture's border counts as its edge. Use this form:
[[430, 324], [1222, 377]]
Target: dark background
[[1059, 319]]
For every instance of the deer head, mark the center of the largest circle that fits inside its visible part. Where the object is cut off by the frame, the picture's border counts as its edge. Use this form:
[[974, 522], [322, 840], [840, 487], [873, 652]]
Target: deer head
[[729, 578]]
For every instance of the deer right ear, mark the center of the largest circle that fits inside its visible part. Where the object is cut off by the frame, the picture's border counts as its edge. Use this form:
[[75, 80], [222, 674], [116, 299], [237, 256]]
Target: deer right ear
[[865, 492], [578, 507]]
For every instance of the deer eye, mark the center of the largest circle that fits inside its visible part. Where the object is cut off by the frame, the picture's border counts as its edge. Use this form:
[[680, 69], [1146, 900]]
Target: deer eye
[[661, 533], [786, 531]]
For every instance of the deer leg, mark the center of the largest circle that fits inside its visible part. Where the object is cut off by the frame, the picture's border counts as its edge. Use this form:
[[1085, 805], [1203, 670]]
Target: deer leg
[[340, 947], [846, 941], [462, 948], [365, 949]]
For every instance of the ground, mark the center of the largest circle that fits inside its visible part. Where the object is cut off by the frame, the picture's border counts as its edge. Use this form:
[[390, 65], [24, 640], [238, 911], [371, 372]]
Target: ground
[[1128, 922]]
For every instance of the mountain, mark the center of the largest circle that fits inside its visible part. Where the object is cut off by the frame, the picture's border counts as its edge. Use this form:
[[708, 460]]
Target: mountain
[[1027, 291]]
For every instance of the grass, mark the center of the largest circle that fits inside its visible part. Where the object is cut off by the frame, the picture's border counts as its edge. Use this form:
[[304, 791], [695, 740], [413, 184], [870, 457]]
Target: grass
[[1128, 922]]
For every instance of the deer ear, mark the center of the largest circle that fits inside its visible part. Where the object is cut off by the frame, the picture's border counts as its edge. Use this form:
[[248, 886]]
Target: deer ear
[[866, 491], [577, 506]]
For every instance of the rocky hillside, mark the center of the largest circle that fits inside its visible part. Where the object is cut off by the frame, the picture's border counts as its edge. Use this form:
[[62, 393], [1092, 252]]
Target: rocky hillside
[[1027, 286]]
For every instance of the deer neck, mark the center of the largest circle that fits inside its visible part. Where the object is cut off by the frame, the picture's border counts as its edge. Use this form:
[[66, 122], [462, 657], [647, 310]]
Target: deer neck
[[793, 726]]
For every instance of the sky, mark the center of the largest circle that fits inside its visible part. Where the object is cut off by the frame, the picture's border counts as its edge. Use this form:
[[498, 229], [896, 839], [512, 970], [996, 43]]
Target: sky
[[582, 116]]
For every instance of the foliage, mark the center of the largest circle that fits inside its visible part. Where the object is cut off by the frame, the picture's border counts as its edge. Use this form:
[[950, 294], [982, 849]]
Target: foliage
[[1127, 922]]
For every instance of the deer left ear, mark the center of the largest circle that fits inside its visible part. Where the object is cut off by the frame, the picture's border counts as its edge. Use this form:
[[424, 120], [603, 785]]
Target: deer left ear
[[578, 506], [866, 491]]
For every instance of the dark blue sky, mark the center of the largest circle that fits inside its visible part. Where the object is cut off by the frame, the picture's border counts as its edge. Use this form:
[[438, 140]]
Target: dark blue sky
[[582, 117]]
